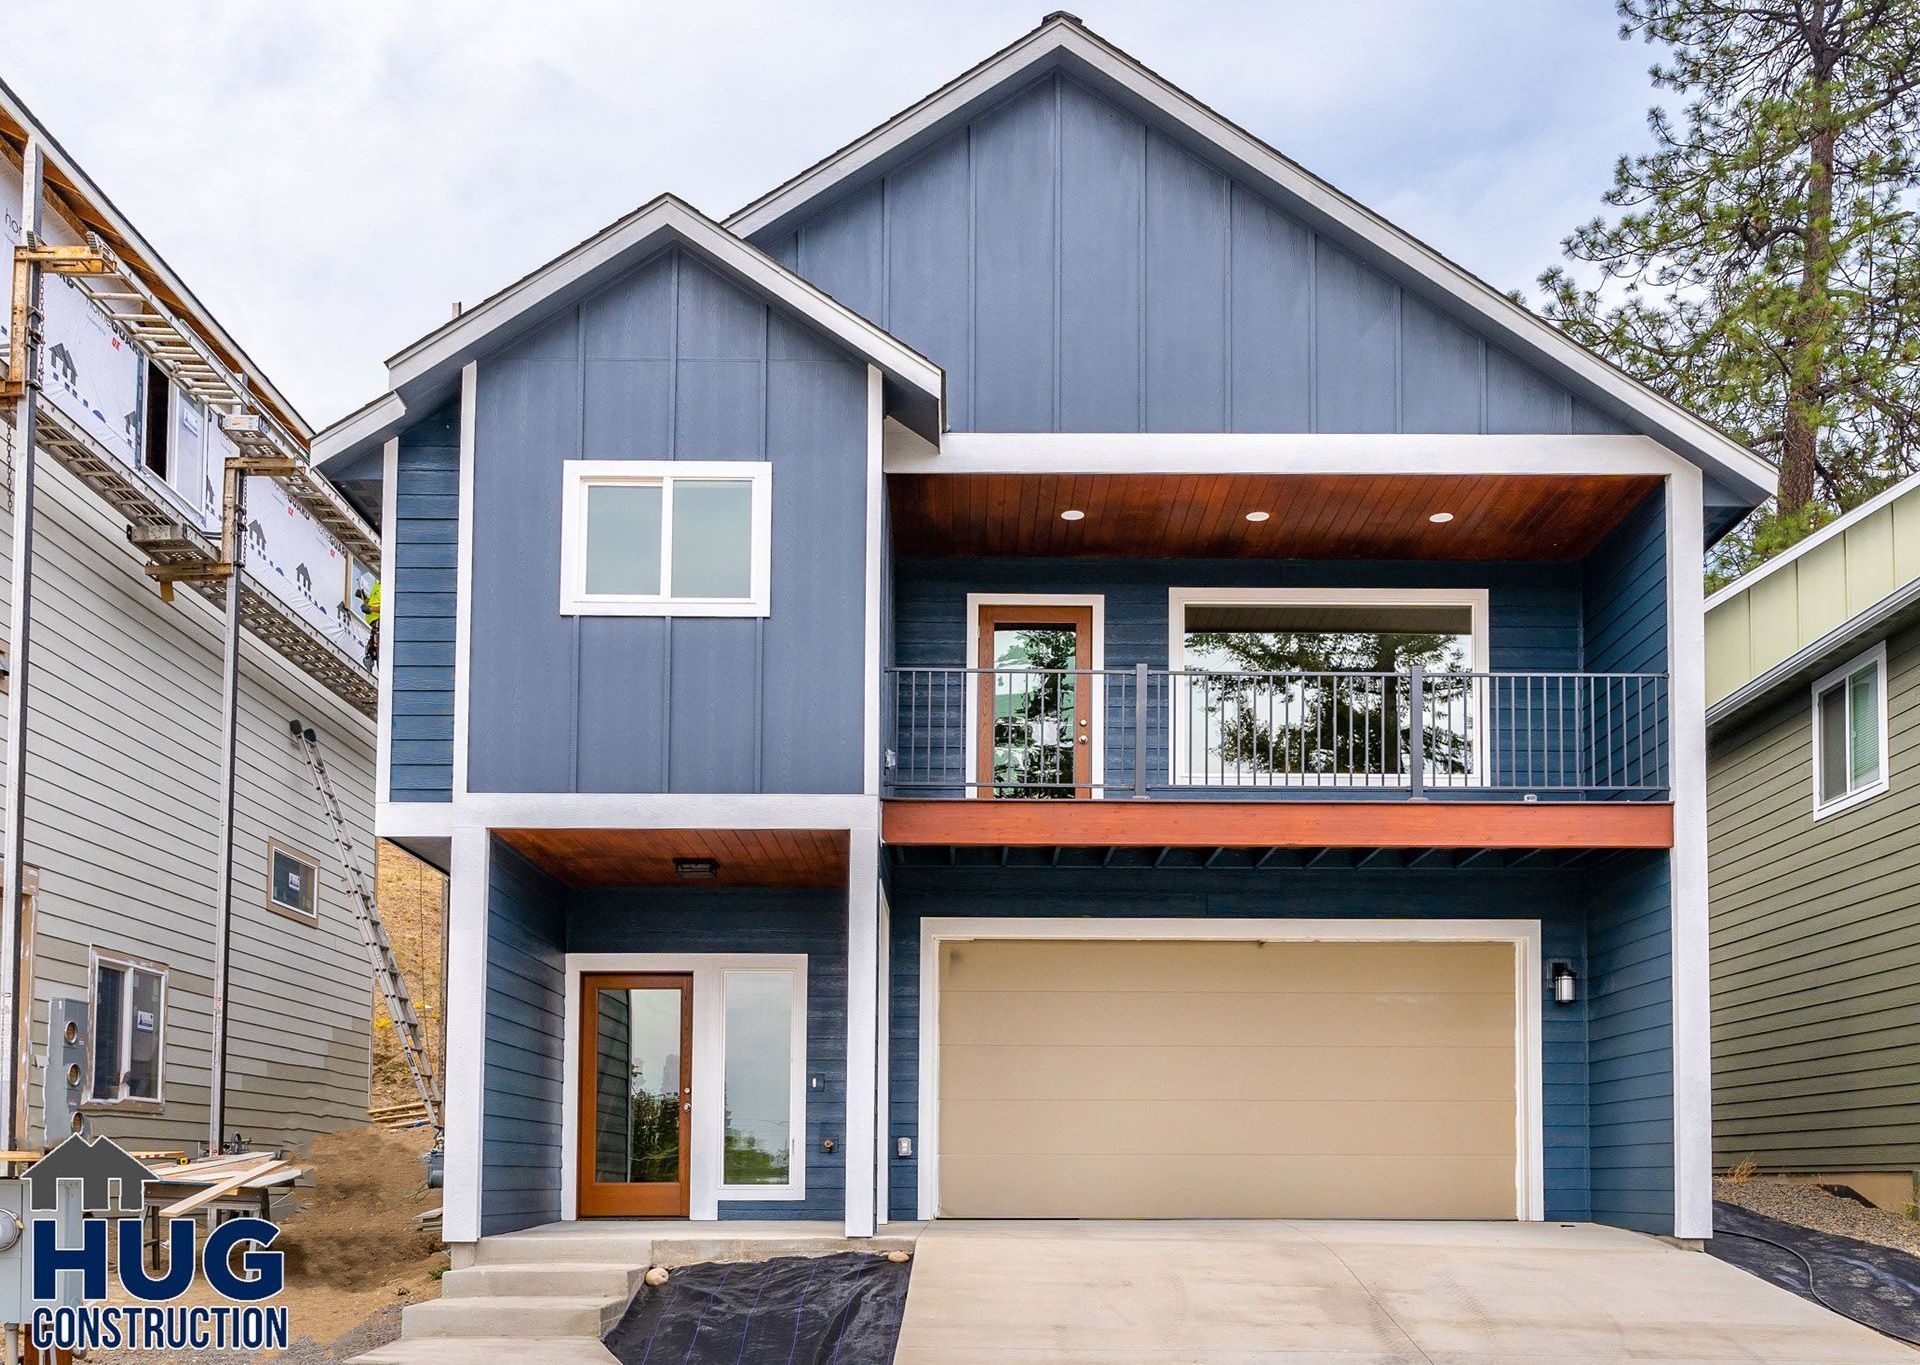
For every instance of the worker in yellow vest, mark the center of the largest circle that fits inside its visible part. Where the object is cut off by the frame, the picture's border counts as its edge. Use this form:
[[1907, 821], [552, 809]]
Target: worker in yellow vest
[[369, 599]]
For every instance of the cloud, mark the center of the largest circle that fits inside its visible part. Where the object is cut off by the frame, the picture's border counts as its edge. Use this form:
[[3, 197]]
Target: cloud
[[329, 175]]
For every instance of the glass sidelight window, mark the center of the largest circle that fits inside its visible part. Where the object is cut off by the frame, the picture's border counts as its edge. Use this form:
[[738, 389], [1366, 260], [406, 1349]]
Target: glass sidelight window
[[665, 538], [761, 1120], [1849, 733]]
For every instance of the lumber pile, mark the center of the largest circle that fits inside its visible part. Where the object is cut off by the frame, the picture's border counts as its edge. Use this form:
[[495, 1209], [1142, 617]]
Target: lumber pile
[[219, 1177], [396, 1116]]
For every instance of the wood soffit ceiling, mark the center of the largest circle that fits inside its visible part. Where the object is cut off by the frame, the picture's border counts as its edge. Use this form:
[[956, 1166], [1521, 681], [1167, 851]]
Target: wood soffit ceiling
[[645, 857], [1310, 516]]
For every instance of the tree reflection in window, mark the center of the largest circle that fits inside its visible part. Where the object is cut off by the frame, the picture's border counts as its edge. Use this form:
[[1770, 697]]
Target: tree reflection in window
[[1035, 701], [1278, 692]]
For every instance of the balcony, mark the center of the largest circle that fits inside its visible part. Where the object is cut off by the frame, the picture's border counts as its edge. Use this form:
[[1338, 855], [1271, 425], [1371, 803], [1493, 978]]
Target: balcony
[[1520, 759]]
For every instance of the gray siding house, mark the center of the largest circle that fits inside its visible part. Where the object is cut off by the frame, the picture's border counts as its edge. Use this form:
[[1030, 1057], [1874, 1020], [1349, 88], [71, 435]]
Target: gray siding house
[[1052, 666], [123, 792], [1813, 679]]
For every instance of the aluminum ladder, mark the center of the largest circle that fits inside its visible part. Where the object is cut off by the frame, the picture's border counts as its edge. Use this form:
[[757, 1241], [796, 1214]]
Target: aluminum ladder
[[386, 968]]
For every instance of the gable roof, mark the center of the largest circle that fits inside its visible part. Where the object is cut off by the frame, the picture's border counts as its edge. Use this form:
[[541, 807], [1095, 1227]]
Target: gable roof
[[422, 374], [1063, 43]]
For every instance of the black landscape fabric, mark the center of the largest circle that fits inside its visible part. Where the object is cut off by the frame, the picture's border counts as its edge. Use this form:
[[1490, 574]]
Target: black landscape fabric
[[1876, 1285], [798, 1310]]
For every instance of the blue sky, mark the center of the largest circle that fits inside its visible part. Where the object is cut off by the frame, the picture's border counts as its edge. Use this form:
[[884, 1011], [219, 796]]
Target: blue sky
[[330, 175]]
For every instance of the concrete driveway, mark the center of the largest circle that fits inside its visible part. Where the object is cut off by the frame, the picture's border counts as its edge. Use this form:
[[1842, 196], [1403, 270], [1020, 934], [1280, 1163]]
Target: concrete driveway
[[1355, 1293]]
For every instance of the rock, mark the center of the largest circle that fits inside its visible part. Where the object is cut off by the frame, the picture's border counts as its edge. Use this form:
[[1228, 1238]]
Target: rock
[[656, 1276], [899, 1257]]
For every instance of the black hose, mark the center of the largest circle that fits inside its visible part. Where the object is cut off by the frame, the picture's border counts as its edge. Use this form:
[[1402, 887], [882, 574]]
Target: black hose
[[1814, 1289]]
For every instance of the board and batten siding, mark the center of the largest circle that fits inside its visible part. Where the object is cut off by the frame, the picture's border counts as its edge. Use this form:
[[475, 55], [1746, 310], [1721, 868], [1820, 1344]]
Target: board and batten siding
[[1589, 1060], [1073, 270], [1816, 944], [123, 824], [669, 362], [421, 592]]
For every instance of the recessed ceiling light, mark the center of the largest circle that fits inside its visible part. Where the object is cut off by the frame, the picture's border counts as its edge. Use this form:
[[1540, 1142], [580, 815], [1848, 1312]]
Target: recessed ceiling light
[[1072, 514], [1258, 516], [1441, 518]]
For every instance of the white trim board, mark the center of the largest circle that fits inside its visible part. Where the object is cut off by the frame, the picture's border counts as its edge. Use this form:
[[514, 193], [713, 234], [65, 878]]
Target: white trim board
[[1095, 703], [1063, 41], [708, 971], [1523, 934], [1020, 452], [622, 810]]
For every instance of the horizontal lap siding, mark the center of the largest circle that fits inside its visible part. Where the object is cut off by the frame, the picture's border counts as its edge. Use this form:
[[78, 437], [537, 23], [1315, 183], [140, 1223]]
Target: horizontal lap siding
[[669, 362], [419, 593], [1816, 946], [122, 824], [1073, 270], [1559, 900], [718, 920], [526, 1006], [1630, 1024]]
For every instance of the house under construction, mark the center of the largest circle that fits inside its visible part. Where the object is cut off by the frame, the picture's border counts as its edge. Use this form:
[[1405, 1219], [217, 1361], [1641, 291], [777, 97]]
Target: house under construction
[[165, 458]]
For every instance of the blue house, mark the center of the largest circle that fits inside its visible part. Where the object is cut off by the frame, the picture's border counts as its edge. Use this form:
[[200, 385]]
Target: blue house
[[1052, 666]]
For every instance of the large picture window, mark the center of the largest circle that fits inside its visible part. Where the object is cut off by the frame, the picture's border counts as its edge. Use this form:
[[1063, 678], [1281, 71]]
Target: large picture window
[[1314, 686], [1850, 733], [665, 538], [129, 1029]]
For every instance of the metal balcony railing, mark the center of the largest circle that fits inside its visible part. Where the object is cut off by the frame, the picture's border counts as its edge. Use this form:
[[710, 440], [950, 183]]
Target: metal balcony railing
[[1143, 732]]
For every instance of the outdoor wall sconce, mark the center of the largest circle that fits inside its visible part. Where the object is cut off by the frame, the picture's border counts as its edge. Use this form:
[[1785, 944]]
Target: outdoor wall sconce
[[1565, 984]]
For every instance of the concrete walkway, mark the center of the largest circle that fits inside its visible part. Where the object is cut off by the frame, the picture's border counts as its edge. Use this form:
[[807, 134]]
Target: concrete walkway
[[1232, 1293]]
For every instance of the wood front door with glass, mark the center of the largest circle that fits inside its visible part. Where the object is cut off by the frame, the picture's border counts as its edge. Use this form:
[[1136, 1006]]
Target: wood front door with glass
[[636, 1088], [1035, 702]]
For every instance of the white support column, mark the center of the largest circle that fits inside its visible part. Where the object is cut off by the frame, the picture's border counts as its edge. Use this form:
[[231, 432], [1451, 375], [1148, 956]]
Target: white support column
[[882, 1082], [863, 1006], [465, 1113], [1687, 726]]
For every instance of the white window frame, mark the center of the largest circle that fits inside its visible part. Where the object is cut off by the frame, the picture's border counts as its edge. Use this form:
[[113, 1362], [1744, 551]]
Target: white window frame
[[709, 1072], [579, 475], [1180, 599], [1875, 658], [280, 908], [129, 965]]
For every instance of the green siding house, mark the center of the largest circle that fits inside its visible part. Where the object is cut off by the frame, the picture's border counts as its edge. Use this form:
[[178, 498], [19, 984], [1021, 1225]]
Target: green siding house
[[1813, 692]]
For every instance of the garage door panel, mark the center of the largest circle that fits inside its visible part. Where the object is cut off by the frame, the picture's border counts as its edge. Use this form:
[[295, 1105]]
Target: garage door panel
[[1228, 1187], [1223, 1019], [1222, 1079], [1178, 1128], [1095, 965], [1298, 1072]]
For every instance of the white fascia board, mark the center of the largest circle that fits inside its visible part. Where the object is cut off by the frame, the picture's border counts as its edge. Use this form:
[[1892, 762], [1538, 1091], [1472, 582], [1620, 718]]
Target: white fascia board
[[638, 810], [1837, 527], [1065, 38], [634, 237], [358, 430], [1282, 453]]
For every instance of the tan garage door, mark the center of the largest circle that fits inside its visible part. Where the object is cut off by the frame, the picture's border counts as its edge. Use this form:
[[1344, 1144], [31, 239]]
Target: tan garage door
[[1221, 1080]]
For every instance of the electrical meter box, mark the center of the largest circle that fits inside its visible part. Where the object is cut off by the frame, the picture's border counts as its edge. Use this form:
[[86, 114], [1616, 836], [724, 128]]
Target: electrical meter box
[[67, 1079], [16, 1248]]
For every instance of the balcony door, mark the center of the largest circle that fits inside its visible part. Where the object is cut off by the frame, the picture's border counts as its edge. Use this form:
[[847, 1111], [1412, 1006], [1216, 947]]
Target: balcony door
[[1036, 702], [636, 1081]]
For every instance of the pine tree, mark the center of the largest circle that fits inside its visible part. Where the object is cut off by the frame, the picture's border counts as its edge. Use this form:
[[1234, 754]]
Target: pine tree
[[1763, 268]]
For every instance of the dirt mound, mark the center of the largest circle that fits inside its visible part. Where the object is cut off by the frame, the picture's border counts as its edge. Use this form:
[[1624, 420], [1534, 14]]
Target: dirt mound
[[357, 1226]]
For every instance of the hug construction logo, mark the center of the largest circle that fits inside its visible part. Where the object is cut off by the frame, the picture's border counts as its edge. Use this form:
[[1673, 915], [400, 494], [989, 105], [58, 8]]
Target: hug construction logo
[[63, 1247]]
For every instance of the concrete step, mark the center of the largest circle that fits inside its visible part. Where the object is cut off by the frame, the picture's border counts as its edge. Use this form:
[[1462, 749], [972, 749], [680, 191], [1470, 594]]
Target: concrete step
[[523, 1318], [508, 1350], [672, 1251], [556, 1279], [571, 1247]]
